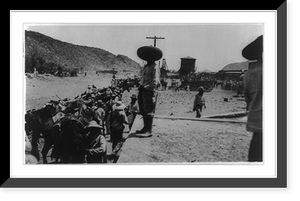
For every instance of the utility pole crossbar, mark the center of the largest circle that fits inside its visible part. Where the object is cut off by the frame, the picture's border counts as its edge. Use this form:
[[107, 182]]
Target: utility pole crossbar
[[155, 38]]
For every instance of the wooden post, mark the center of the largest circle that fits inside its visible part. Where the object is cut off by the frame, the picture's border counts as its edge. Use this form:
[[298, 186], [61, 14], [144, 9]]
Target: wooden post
[[155, 38]]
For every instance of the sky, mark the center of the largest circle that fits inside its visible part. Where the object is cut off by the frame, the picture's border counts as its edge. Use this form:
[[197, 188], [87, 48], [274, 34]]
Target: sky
[[212, 45]]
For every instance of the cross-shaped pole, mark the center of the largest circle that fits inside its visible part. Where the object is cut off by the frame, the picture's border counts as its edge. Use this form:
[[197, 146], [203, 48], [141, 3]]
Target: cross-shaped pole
[[155, 38]]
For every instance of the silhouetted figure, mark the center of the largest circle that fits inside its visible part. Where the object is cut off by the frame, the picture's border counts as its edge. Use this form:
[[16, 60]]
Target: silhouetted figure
[[253, 80]]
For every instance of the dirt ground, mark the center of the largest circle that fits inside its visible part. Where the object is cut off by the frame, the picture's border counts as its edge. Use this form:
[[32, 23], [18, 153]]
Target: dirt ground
[[180, 103], [173, 140], [201, 141], [180, 141], [41, 89]]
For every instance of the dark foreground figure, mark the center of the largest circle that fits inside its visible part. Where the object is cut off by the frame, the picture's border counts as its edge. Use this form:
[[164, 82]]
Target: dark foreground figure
[[253, 96]]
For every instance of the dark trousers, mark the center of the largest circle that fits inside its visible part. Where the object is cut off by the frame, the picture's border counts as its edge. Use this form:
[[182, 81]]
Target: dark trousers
[[117, 136], [99, 158], [255, 150], [198, 110], [145, 101]]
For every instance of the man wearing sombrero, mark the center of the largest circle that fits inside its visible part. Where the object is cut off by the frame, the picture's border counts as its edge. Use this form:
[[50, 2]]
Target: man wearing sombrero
[[148, 83], [253, 80]]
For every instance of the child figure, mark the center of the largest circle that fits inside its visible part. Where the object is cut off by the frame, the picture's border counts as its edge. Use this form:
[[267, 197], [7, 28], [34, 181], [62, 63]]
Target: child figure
[[199, 102]]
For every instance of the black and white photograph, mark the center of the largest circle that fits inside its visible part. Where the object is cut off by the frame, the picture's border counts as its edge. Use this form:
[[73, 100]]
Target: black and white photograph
[[173, 93], [148, 99]]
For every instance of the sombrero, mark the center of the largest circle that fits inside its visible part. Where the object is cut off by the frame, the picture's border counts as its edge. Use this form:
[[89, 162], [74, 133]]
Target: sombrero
[[118, 106], [149, 53], [93, 124], [253, 51]]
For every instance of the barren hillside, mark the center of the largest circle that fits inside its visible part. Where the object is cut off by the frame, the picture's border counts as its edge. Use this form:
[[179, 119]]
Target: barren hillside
[[50, 55]]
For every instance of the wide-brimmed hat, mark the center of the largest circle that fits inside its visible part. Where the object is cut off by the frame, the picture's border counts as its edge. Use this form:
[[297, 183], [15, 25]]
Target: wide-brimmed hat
[[133, 96], [149, 53], [93, 124], [201, 89], [94, 107], [254, 50], [118, 106], [100, 103]]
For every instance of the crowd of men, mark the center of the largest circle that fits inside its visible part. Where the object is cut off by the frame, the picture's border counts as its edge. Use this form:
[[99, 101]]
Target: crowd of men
[[97, 109], [232, 85], [100, 102]]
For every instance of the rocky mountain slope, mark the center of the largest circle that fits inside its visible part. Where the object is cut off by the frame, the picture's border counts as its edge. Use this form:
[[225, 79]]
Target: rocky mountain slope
[[50, 55]]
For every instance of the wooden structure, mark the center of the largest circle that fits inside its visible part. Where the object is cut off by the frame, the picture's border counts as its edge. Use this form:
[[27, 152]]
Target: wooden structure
[[187, 65], [155, 38]]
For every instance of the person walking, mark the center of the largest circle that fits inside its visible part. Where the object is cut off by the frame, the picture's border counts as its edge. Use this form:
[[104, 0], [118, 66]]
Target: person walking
[[148, 83], [253, 91], [199, 102]]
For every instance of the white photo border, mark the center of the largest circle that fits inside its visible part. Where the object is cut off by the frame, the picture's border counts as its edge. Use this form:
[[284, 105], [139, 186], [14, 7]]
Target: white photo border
[[229, 170]]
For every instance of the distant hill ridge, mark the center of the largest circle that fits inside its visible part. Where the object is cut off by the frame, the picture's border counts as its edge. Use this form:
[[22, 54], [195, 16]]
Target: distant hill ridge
[[47, 54], [238, 66]]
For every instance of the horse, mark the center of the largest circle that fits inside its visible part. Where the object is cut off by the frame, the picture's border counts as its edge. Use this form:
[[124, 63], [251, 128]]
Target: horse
[[39, 122], [69, 143], [75, 111]]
